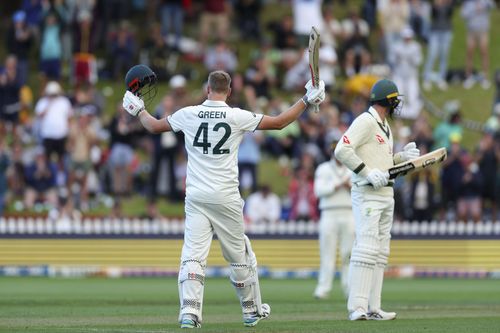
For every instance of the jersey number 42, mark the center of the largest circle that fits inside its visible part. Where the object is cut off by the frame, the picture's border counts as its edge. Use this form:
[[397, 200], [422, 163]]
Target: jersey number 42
[[205, 144]]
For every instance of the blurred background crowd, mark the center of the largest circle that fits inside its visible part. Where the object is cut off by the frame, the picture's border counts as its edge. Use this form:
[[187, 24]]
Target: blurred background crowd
[[68, 148]]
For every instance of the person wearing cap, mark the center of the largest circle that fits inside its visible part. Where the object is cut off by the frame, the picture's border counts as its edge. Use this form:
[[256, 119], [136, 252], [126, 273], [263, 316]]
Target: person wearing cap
[[19, 41], [405, 59], [53, 112], [332, 185], [366, 148]]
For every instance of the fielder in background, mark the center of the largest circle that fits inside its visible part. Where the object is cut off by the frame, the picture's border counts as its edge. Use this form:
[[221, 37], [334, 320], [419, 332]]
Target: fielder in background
[[366, 149], [213, 132], [332, 185]]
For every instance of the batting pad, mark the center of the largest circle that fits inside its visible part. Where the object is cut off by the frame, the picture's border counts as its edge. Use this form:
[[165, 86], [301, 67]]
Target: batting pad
[[191, 286]]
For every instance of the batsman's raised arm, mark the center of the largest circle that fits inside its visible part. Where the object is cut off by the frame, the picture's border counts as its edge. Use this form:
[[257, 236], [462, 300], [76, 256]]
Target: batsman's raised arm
[[135, 107], [313, 96]]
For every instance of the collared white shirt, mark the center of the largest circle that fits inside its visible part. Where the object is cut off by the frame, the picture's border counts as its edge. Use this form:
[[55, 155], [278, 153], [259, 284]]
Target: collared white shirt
[[213, 132]]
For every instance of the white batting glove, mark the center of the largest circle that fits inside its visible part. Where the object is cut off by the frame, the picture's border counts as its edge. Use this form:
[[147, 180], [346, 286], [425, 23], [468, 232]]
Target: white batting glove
[[315, 95], [378, 178], [410, 151], [132, 103]]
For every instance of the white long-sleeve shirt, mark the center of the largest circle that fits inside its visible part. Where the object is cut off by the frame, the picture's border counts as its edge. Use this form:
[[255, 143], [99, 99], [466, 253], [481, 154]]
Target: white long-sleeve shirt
[[328, 180], [368, 144]]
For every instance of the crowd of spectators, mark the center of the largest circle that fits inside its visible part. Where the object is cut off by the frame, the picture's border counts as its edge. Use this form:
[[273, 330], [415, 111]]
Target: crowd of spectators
[[61, 152]]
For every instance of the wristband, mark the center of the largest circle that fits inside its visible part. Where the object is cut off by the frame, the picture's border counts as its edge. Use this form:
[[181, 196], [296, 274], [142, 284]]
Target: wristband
[[304, 100]]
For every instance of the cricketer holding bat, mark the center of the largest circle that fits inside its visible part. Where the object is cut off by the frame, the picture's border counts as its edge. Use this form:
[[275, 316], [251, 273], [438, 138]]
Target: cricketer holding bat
[[366, 149], [213, 132]]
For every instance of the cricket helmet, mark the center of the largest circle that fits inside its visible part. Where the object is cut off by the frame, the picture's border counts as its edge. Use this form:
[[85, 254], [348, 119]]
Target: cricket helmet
[[141, 81], [385, 93]]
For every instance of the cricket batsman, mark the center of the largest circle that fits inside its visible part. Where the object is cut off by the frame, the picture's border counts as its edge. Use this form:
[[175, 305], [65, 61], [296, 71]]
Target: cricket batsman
[[366, 149]]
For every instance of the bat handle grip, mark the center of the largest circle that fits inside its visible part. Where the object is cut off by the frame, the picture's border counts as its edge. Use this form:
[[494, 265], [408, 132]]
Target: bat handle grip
[[315, 108]]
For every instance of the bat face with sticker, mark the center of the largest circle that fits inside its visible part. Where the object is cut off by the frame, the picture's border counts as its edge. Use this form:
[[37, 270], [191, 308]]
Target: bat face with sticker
[[416, 164]]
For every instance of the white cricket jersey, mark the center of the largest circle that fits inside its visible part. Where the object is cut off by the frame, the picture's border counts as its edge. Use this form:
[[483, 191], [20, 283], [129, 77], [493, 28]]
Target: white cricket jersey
[[327, 186], [213, 132], [367, 144]]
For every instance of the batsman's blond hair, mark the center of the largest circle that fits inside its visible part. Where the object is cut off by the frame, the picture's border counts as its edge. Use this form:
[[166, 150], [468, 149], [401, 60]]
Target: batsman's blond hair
[[219, 82]]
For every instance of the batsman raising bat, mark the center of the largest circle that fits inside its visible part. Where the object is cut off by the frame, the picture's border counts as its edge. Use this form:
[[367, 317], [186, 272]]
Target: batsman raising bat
[[213, 132], [367, 150]]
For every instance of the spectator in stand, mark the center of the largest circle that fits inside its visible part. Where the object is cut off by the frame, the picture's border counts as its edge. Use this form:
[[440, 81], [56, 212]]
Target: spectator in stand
[[284, 36], [80, 142], [488, 161], [450, 126], [51, 48], [258, 81], [40, 181], [440, 36], [166, 149], [263, 206], [215, 14], [452, 172], [122, 128], [394, 16], [420, 13], [172, 19], [4, 166], [157, 53], [355, 48], [303, 202], [16, 182], [421, 132], [332, 29], [248, 160], [180, 93], [10, 94], [423, 192], [469, 192], [476, 14], [248, 12], [220, 57], [34, 16], [306, 13], [19, 41], [53, 112], [406, 58], [122, 50]]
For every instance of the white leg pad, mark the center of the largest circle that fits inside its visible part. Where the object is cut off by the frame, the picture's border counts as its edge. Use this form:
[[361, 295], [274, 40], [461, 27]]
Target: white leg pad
[[363, 259], [245, 280], [378, 276], [191, 286]]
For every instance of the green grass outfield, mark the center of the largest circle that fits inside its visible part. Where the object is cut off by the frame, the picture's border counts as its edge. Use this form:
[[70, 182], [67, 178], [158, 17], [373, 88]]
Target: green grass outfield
[[151, 305]]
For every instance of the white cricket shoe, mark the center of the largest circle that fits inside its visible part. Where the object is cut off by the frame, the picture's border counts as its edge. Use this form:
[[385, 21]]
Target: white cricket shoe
[[252, 319], [190, 321], [358, 314], [381, 315], [469, 82]]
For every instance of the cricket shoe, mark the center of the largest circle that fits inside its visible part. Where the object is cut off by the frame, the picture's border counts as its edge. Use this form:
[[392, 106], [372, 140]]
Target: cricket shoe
[[190, 321], [381, 315], [358, 314], [252, 319]]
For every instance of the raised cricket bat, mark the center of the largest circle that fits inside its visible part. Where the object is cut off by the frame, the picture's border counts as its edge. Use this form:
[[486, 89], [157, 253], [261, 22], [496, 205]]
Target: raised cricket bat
[[419, 163], [314, 42]]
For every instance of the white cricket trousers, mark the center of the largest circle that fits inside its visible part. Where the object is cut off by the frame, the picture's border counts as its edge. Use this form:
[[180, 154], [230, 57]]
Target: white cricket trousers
[[373, 216], [336, 228], [203, 219]]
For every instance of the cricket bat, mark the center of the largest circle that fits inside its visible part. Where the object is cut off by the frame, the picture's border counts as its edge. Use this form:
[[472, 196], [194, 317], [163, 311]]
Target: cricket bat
[[419, 163], [314, 42]]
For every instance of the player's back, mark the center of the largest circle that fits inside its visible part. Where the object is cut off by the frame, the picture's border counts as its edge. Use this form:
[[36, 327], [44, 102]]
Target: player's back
[[213, 132]]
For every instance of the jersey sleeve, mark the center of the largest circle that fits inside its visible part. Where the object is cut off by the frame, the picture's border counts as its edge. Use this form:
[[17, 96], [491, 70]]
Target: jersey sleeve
[[355, 136], [246, 120], [176, 120]]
